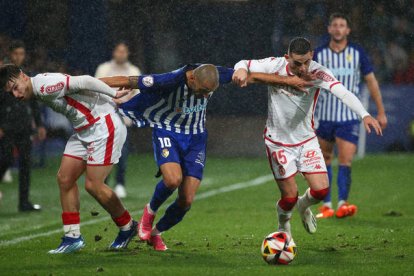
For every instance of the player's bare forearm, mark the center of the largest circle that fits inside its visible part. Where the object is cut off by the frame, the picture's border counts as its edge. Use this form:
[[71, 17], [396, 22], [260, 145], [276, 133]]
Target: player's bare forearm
[[376, 96], [273, 79], [121, 81]]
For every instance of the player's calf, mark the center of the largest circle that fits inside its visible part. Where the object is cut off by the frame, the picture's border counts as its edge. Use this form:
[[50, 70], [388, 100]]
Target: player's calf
[[284, 210]]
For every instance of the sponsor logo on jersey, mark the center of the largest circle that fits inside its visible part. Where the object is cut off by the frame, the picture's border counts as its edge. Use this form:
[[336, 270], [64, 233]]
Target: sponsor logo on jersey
[[148, 81], [310, 154], [324, 76], [165, 153], [342, 71], [54, 88], [188, 110]]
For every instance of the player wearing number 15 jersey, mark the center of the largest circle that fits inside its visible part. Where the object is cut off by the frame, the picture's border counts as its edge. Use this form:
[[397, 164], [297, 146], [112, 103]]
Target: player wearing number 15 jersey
[[174, 105], [289, 135]]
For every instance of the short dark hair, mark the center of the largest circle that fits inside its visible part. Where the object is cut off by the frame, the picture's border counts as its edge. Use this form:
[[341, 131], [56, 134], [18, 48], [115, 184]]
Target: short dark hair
[[15, 44], [336, 15], [7, 73], [299, 46]]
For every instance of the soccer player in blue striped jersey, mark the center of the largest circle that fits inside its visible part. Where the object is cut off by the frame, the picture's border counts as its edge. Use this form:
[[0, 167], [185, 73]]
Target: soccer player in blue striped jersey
[[174, 105], [337, 123]]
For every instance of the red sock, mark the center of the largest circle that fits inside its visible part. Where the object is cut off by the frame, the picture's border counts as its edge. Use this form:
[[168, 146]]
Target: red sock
[[124, 219], [319, 194], [287, 203], [70, 218]]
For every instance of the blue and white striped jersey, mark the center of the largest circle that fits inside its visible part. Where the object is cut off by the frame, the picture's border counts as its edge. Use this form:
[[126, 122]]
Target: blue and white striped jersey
[[347, 66], [166, 102]]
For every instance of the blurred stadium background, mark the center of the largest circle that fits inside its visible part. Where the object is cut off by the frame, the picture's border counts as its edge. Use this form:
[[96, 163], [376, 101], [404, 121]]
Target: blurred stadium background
[[76, 36]]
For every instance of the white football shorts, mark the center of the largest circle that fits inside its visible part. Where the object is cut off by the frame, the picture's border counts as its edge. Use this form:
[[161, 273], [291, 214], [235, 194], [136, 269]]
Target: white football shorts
[[286, 161]]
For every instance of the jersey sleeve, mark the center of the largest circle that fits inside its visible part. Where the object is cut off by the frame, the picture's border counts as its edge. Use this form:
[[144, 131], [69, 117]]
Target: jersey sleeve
[[50, 86], [325, 79], [366, 65], [160, 82], [266, 65], [78, 83], [225, 74]]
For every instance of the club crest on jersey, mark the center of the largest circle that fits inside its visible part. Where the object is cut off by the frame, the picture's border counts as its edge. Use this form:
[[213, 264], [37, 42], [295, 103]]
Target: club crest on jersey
[[52, 88], [282, 171], [148, 81], [165, 153]]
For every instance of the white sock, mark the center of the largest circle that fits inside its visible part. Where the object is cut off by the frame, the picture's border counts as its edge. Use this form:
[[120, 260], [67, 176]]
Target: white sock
[[155, 232], [341, 202], [306, 201], [72, 230], [283, 219], [152, 212], [126, 227], [328, 204]]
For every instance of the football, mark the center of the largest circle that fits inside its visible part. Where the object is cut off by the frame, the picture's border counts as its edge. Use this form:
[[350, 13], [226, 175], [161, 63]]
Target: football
[[278, 248]]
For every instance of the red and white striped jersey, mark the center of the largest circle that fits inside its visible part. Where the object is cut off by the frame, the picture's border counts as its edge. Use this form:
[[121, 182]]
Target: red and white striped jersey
[[290, 119], [82, 99]]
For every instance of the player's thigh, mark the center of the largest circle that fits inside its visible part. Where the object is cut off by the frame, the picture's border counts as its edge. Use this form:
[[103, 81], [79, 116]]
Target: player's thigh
[[346, 151], [282, 160], [171, 174], [317, 181], [194, 158], [327, 148], [311, 161], [96, 175], [69, 171], [287, 187], [187, 190]]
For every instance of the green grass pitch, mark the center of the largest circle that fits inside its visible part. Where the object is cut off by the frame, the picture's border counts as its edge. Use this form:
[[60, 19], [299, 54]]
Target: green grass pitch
[[222, 233]]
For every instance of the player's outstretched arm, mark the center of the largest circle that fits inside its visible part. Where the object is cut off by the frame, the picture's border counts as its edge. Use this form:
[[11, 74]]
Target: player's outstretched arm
[[121, 81], [375, 93], [273, 79], [89, 83], [350, 100]]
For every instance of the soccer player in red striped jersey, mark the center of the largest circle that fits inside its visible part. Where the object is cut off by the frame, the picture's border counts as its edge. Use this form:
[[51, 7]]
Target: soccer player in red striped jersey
[[93, 149]]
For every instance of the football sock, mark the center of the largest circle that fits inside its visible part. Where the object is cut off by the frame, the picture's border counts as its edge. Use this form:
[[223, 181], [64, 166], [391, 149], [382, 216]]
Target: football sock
[[284, 211], [161, 194], [124, 222], [173, 215], [344, 182], [327, 199], [341, 202], [312, 197], [71, 224]]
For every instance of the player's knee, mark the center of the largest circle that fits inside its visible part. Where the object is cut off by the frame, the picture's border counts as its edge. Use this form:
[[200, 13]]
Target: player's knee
[[64, 181], [172, 181], [327, 156], [91, 186], [287, 203], [185, 202], [319, 194]]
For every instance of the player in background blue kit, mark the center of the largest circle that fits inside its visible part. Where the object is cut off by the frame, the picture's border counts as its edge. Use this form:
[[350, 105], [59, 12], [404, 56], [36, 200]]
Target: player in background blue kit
[[337, 123], [174, 105]]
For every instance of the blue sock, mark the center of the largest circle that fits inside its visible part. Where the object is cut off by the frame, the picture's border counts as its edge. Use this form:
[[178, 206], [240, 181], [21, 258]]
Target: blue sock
[[173, 215], [161, 194], [344, 182], [328, 196]]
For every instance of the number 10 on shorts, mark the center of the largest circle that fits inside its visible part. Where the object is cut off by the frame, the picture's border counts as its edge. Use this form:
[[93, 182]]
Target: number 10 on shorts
[[165, 142]]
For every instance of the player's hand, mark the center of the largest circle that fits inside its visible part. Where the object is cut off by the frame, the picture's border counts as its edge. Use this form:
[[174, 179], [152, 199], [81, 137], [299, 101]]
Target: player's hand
[[371, 122], [240, 77], [122, 92], [41, 133], [298, 83], [382, 120]]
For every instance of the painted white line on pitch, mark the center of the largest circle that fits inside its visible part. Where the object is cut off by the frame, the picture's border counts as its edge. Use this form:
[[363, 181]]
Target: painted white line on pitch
[[237, 186]]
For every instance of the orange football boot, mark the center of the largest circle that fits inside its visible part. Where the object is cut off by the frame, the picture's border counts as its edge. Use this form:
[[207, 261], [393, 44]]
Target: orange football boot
[[325, 212], [346, 210]]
